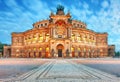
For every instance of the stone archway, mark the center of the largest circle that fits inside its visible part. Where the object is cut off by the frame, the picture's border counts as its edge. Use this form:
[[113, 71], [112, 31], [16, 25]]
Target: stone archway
[[9, 52], [60, 48]]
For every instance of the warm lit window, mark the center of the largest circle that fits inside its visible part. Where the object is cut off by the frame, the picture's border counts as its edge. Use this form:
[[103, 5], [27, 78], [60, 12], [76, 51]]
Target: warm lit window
[[35, 37], [47, 49], [84, 50], [79, 49], [17, 50], [40, 39], [84, 37], [34, 49], [47, 37], [78, 38], [40, 49], [73, 37], [72, 49]]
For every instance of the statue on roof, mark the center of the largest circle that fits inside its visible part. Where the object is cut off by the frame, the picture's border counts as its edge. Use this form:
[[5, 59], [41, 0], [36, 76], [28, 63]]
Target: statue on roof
[[52, 14], [60, 10], [60, 7]]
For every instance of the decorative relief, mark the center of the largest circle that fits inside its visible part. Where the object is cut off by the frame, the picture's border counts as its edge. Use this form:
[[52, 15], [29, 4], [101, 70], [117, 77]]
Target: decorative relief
[[60, 28]]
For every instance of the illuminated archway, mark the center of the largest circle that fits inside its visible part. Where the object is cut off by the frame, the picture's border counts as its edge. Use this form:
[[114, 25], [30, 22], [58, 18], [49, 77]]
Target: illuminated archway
[[60, 48]]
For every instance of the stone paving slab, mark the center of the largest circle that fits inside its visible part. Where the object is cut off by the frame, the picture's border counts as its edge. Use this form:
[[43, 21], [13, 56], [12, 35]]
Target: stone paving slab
[[61, 70]]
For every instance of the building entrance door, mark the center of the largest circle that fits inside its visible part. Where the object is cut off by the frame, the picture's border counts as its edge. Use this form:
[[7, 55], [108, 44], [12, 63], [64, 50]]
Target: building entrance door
[[59, 52]]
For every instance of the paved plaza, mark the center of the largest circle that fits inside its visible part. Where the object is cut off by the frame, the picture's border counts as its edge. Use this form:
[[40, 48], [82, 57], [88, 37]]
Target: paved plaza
[[64, 70]]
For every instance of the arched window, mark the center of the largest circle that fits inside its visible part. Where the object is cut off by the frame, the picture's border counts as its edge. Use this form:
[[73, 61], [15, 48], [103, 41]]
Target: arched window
[[40, 38], [41, 24], [47, 37], [79, 38], [47, 49], [45, 24], [40, 49], [73, 37], [34, 49], [81, 26], [72, 49], [17, 50], [79, 49]]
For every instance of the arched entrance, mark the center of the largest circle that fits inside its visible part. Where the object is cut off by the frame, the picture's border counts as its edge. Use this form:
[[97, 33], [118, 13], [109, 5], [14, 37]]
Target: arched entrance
[[60, 48], [34, 54], [8, 52]]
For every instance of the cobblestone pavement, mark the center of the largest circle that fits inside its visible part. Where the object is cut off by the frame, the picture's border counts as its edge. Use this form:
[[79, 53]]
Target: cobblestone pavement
[[63, 70]]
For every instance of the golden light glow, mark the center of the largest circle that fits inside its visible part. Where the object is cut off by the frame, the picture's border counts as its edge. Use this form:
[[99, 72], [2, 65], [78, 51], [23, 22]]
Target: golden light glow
[[79, 49], [60, 33], [73, 38], [35, 38], [41, 39], [47, 34], [72, 49], [17, 50], [78, 38], [40, 49], [47, 37], [34, 49], [47, 49]]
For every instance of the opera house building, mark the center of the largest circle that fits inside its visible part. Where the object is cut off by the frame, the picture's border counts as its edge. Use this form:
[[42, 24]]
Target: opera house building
[[59, 36]]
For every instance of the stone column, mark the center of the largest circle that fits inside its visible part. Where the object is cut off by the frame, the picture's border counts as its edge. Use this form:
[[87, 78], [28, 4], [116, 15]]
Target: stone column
[[69, 32], [51, 32]]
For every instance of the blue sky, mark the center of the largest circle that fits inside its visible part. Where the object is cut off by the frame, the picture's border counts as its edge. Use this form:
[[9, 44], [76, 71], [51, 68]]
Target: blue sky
[[99, 15]]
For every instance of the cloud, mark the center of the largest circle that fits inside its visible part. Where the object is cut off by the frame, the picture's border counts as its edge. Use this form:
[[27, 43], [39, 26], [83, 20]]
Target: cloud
[[117, 41], [107, 19], [25, 15], [96, 2], [105, 4], [20, 15], [20, 18], [85, 5], [4, 34], [3, 31], [81, 13], [39, 8]]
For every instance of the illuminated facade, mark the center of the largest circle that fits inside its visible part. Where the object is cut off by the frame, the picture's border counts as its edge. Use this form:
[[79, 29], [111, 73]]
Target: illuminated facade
[[60, 36]]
